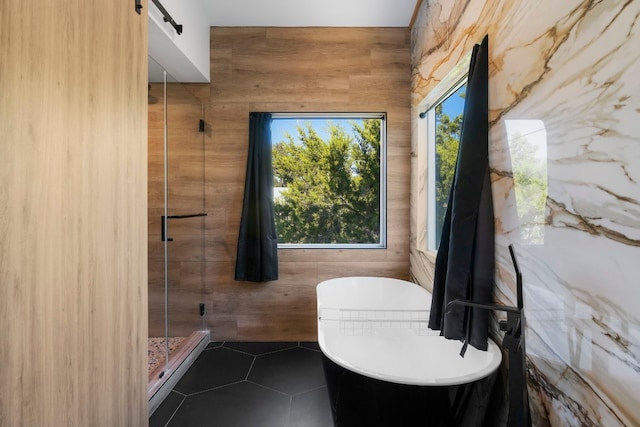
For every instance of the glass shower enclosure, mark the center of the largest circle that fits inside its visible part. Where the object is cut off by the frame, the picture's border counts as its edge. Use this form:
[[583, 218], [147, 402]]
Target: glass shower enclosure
[[176, 229]]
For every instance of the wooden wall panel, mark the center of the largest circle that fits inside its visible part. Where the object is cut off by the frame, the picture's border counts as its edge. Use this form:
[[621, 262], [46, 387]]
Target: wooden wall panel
[[298, 70], [73, 264], [295, 70]]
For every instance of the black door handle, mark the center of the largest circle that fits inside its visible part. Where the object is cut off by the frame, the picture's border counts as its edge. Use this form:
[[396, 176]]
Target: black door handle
[[163, 220]]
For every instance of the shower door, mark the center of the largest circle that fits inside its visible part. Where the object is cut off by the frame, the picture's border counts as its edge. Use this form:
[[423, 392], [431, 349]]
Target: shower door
[[185, 219], [176, 218]]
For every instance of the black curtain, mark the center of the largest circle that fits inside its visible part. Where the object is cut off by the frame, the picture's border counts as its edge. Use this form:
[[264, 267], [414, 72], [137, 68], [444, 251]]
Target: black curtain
[[465, 260], [257, 257]]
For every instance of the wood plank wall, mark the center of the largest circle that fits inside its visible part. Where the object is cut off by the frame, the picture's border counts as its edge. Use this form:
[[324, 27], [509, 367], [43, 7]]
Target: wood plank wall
[[295, 70], [73, 266]]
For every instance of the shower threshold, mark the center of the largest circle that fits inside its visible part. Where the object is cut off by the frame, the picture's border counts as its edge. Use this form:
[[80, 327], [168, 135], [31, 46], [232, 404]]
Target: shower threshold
[[165, 376]]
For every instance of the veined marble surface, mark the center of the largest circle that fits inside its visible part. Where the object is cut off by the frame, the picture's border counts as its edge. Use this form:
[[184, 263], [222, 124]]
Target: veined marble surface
[[564, 99]]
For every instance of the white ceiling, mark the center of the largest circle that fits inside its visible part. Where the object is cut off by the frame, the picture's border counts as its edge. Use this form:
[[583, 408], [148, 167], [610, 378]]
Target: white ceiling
[[180, 54], [309, 13]]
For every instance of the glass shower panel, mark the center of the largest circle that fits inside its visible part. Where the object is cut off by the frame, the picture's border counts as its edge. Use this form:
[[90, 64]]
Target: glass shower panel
[[176, 220], [186, 216], [156, 208]]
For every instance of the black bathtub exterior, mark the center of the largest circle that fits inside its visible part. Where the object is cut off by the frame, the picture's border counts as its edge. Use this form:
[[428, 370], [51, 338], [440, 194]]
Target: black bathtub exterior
[[359, 401]]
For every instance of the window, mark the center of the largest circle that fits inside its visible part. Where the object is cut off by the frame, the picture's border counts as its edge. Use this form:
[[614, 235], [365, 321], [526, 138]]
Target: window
[[438, 131], [329, 186], [444, 121]]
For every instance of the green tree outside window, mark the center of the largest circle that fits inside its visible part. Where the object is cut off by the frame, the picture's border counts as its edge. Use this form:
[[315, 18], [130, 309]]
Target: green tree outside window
[[328, 188]]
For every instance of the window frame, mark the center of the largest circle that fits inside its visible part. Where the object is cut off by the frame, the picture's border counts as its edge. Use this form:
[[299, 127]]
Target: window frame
[[431, 162], [382, 244], [426, 221]]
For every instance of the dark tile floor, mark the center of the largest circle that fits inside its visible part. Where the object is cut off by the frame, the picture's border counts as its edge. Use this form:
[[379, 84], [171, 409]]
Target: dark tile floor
[[250, 384]]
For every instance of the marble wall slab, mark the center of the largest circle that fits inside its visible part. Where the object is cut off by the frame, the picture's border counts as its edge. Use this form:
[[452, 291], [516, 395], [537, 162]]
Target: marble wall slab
[[565, 160]]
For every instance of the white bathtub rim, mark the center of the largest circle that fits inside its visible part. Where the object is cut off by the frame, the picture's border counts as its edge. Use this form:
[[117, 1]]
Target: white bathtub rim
[[345, 353], [421, 381]]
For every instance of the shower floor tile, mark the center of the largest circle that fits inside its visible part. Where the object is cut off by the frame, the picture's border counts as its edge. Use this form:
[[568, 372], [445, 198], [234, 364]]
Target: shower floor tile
[[156, 349], [278, 384]]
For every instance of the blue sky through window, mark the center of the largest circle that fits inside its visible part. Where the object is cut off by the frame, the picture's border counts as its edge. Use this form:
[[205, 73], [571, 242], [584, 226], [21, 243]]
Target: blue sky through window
[[282, 126], [454, 104]]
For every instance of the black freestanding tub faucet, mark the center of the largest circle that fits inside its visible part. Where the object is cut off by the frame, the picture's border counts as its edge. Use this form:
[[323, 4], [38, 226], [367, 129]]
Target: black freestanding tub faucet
[[514, 343]]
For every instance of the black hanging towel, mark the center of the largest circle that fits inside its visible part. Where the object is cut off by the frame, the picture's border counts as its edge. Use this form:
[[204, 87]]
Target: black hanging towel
[[465, 260]]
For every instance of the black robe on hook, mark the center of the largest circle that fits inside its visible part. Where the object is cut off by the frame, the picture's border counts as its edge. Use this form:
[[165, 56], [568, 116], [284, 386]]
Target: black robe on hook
[[465, 260]]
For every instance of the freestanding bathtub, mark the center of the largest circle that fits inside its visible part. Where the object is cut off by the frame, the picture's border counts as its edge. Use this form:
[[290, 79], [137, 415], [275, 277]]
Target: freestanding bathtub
[[384, 367]]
